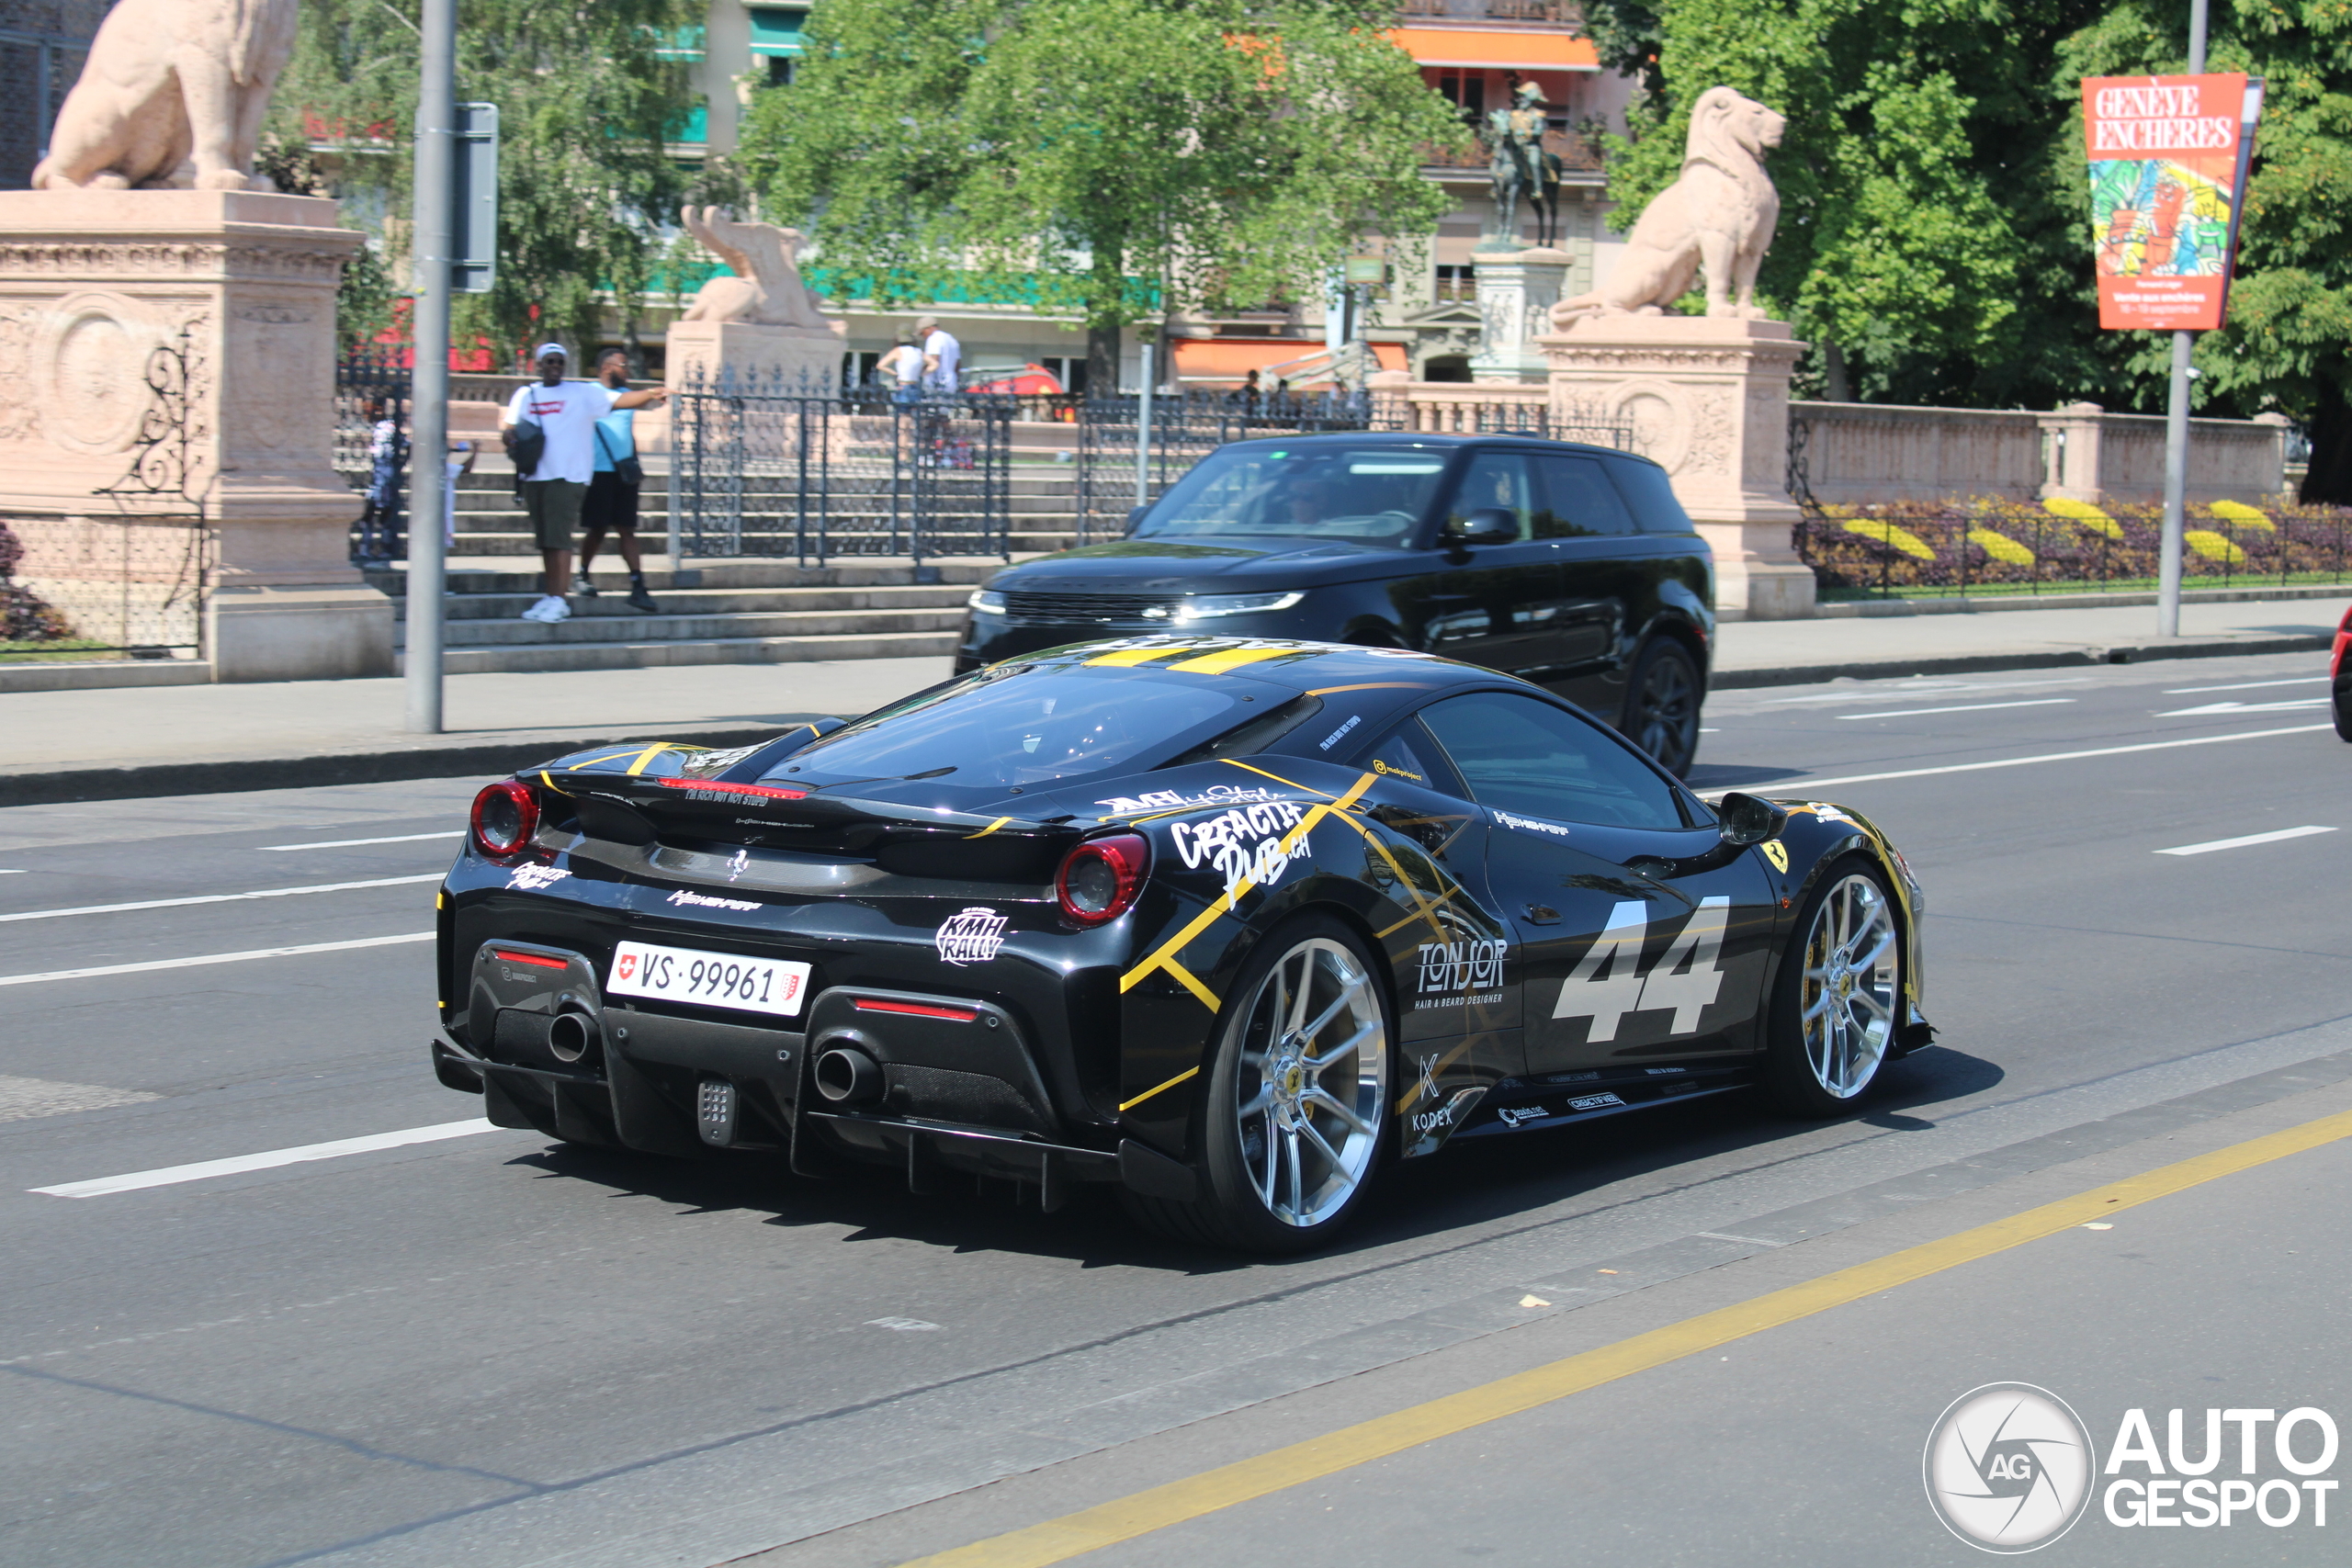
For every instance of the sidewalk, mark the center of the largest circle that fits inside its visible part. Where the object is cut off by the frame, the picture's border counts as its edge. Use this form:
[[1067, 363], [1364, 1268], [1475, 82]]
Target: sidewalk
[[128, 741]]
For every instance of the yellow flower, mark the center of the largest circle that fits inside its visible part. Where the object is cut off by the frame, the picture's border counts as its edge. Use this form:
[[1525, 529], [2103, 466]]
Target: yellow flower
[[1880, 532]]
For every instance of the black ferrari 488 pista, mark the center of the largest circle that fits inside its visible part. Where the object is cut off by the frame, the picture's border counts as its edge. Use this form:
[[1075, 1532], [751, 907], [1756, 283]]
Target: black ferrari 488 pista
[[1230, 924]]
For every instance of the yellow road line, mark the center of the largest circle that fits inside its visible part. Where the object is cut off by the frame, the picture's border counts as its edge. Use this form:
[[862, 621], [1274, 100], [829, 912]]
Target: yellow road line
[[1187, 1073], [1058, 1541]]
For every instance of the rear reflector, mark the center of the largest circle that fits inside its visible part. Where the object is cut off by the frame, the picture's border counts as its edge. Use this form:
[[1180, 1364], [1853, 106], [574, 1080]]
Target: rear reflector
[[541, 959], [768, 791], [920, 1009]]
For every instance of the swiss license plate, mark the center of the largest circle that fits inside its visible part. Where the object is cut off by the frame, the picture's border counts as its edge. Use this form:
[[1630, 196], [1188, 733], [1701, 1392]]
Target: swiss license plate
[[708, 979]]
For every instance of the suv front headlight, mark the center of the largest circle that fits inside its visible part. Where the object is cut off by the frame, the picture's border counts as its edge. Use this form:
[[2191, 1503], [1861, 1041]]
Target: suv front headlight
[[986, 601], [1209, 606]]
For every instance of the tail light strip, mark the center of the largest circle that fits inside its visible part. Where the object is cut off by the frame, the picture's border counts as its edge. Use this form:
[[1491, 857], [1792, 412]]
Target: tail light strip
[[919, 1009]]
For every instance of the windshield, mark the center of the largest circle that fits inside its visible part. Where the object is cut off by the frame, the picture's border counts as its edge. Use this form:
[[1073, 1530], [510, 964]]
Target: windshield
[[1015, 725], [1365, 495]]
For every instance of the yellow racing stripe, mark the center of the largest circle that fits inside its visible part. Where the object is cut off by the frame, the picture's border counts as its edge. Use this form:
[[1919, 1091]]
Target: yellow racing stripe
[[1134, 656], [1230, 658], [1189, 1073]]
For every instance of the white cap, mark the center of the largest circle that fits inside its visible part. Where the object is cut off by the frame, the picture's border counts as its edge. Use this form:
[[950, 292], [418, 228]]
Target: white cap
[[547, 348]]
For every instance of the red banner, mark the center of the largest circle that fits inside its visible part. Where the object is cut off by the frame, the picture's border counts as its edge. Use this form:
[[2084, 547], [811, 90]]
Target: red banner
[[2168, 160]]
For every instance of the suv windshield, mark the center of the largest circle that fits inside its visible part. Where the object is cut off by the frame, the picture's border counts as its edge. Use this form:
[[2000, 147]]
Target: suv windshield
[[1366, 495], [1020, 724]]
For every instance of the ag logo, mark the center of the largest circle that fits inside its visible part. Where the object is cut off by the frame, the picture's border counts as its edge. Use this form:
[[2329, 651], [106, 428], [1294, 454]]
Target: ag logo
[[2009, 1467]]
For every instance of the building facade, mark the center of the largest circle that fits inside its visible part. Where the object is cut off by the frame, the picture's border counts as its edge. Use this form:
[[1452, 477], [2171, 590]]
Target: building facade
[[42, 46]]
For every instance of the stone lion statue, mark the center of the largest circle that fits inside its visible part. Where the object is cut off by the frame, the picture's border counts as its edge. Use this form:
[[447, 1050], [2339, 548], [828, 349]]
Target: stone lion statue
[[766, 288], [173, 96], [1719, 215]]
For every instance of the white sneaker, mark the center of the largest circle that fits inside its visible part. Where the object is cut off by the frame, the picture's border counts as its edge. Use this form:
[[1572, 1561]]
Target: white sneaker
[[549, 608]]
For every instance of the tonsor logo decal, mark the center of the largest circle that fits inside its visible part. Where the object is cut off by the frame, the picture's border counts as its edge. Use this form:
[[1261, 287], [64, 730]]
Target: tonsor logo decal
[[2009, 1467], [1449, 970], [971, 937]]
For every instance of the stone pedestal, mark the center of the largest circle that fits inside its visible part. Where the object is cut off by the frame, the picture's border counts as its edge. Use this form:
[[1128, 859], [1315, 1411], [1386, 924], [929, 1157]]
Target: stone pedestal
[[242, 429], [783, 357], [1708, 401], [1516, 292]]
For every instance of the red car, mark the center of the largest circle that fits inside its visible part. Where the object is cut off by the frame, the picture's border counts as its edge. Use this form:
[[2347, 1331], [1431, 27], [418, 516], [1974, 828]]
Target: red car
[[2339, 684]]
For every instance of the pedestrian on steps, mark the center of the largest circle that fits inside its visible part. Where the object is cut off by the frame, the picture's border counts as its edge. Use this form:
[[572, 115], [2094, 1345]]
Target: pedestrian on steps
[[562, 416], [611, 502]]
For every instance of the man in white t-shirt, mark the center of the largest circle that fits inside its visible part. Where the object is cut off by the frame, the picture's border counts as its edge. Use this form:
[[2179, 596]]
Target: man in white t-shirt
[[565, 413], [942, 356]]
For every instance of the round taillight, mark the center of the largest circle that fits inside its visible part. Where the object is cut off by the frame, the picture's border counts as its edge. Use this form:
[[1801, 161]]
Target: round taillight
[[505, 816], [1100, 880]]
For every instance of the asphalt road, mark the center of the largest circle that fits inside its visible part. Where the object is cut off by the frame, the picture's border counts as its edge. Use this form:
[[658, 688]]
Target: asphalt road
[[479, 1349]]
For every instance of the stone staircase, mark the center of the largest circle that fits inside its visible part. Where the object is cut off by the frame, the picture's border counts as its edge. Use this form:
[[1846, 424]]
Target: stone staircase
[[712, 610]]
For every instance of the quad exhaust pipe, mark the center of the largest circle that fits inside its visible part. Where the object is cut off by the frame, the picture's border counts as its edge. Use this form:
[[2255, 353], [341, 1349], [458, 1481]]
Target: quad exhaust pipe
[[849, 1077], [573, 1037]]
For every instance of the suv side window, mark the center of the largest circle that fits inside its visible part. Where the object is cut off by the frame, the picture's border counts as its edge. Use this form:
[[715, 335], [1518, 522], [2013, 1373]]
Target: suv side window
[[1582, 501], [1498, 479], [1521, 755], [1651, 494]]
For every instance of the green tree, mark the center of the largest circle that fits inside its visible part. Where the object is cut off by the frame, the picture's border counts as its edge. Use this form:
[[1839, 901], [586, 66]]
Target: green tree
[[1120, 158], [587, 91], [2288, 345], [1917, 218]]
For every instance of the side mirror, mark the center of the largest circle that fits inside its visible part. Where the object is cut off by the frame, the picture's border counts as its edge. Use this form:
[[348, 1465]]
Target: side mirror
[[1488, 526], [1749, 820], [1136, 517]]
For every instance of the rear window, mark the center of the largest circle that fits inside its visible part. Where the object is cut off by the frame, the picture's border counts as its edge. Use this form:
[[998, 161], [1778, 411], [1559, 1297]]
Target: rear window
[[1011, 726], [1651, 497]]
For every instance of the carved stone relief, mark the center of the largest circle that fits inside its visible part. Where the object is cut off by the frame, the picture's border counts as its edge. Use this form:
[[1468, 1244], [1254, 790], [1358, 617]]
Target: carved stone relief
[[89, 372]]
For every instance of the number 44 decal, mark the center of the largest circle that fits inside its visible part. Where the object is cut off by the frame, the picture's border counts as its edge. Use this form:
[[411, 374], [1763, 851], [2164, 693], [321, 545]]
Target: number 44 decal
[[1607, 983]]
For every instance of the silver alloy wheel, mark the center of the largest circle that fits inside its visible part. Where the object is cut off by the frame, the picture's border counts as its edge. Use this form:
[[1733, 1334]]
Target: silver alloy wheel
[[1313, 1080], [1852, 984]]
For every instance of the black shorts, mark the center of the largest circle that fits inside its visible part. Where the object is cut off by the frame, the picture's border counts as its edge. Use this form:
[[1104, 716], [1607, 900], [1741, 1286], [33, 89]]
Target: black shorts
[[610, 506]]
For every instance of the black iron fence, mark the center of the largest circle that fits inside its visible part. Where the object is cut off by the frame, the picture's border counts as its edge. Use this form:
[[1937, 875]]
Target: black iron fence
[[771, 466], [2009, 549]]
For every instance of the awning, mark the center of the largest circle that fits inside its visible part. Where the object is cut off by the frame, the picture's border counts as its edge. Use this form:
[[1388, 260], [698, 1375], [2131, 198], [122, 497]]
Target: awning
[[777, 32], [1230, 359], [1476, 50]]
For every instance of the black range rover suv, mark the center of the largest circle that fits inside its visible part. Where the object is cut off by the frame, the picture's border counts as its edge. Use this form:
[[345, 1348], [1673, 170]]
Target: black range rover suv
[[1570, 566]]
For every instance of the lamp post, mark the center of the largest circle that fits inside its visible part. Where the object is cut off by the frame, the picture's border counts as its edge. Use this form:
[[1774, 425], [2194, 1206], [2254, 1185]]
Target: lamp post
[[432, 209], [2175, 523]]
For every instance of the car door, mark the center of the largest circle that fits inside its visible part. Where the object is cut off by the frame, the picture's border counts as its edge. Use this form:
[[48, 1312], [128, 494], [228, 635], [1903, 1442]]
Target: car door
[[1605, 569], [1456, 978], [1642, 937], [1498, 606]]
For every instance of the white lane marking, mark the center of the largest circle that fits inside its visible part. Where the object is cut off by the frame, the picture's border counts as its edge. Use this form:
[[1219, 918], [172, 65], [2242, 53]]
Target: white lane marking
[[171, 1175], [1749, 1240], [1964, 707], [1796, 785], [2244, 685], [2241, 843], [107, 969], [219, 898], [14, 874], [347, 843], [2247, 708]]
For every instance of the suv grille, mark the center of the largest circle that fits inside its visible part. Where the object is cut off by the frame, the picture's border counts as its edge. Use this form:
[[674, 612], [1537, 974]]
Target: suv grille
[[1087, 609]]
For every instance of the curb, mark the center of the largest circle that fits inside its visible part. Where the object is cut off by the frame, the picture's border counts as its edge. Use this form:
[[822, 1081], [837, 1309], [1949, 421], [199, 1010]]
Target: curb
[[2049, 659], [489, 762]]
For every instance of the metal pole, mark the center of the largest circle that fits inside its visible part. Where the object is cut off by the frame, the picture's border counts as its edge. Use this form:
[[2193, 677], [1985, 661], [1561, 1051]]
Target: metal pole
[[2175, 525], [433, 215], [1143, 435]]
